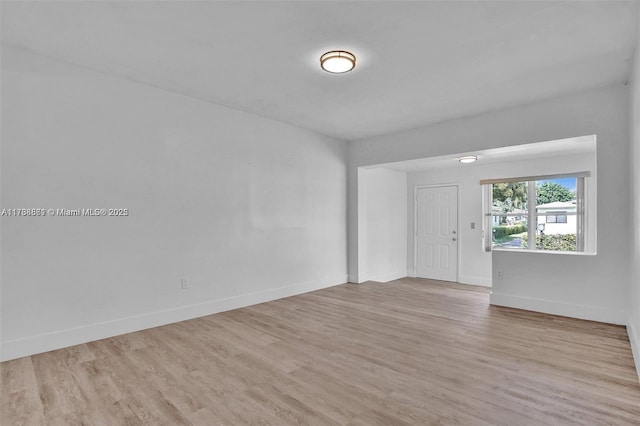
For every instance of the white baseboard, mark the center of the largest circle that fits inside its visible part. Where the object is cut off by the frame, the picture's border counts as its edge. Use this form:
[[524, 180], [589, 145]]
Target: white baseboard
[[481, 281], [411, 273], [591, 313], [385, 278], [31, 345], [634, 338]]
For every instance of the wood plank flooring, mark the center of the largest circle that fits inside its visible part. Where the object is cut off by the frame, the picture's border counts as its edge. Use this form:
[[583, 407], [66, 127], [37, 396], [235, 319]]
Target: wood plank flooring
[[409, 352]]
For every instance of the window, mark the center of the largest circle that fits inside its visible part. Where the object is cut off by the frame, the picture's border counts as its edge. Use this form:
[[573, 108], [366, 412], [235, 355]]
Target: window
[[536, 213], [557, 217]]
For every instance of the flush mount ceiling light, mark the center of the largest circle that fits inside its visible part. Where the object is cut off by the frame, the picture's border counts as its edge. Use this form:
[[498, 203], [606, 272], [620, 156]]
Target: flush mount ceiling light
[[338, 61], [467, 159]]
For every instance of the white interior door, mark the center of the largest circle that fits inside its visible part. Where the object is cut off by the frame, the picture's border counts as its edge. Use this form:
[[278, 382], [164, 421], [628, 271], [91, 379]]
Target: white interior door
[[437, 233]]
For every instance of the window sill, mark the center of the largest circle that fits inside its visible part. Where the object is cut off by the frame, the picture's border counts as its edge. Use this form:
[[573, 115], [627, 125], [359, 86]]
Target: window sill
[[563, 253]]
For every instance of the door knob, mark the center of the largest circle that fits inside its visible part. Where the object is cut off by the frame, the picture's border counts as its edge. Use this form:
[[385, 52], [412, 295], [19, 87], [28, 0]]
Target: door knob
[[454, 239]]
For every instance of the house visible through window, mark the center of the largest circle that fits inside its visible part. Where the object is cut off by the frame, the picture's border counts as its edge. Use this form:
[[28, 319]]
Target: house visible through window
[[536, 213]]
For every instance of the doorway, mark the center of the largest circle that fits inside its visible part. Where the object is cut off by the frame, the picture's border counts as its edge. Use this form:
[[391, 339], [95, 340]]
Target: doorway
[[436, 232]]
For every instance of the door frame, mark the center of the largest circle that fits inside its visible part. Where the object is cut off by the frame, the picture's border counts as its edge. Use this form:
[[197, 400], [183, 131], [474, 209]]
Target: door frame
[[415, 224]]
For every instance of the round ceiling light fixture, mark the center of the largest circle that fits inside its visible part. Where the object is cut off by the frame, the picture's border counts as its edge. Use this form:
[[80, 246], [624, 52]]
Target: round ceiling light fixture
[[468, 159], [338, 61]]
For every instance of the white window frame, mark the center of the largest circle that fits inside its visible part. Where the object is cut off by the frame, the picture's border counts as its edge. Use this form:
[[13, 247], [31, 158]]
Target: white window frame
[[532, 220]]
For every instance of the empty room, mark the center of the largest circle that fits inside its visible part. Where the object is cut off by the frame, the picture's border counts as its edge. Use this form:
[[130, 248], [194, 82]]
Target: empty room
[[320, 212]]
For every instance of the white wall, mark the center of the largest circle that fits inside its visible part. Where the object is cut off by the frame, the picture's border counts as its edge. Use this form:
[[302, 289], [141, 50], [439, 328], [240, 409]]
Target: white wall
[[475, 263], [633, 325], [383, 211], [597, 286], [247, 208]]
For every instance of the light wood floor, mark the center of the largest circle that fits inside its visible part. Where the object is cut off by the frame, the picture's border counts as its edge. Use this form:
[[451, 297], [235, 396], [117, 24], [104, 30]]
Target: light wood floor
[[410, 352]]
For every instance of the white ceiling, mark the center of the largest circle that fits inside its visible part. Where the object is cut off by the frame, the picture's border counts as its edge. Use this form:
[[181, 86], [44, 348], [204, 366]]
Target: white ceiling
[[525, 152], [418, 62]]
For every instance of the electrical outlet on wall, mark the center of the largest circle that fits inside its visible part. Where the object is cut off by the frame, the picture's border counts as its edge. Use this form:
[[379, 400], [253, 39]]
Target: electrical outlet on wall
[[184, 283], [500, 275]]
